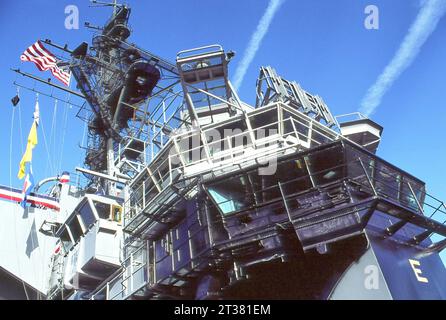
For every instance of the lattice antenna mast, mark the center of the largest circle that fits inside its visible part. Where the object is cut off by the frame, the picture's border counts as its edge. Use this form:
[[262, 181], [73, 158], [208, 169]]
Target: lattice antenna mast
[[113, 4], [100, 74], [133, 99], [118, 79]]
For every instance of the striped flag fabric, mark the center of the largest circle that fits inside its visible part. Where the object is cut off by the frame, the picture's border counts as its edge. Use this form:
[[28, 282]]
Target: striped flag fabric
[[65, 177], [45, 60]]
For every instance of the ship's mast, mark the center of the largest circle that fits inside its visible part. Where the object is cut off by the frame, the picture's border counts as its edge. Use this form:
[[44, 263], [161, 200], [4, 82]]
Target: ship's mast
[[111, 185], [114, 4], [119, 80], [133, 100]]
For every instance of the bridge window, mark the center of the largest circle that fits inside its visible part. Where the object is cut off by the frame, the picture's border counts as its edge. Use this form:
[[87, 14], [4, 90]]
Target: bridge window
[[264, 124], [103, 210], [326, 166], [232, 195], [67, 244], [223, 201], [87, 215], [75, 228]]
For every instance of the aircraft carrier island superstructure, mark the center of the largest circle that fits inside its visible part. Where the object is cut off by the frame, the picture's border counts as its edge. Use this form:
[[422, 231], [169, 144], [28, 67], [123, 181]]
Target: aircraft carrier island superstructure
[[195, 194]]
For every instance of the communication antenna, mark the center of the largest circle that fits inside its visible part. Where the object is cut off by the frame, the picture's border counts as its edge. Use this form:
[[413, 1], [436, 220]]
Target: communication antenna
[[96, 4], [113, 4]]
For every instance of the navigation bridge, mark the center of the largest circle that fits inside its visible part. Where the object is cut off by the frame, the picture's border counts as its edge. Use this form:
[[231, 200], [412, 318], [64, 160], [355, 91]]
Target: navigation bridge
[[240, 193]]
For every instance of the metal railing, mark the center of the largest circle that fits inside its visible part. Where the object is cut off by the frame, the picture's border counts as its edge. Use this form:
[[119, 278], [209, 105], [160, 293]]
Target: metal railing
[[375, 185], [125, 282], [350, 116], [375, 178], [263, 142]]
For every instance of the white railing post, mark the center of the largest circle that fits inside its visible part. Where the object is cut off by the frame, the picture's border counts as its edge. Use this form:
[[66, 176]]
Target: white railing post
[[230, 149], [170, 169], [416, 199], [295, 130], [131, 273], [143, 194]]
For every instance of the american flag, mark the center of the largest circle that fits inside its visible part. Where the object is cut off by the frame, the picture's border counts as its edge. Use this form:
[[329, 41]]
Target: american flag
[[45, 60]]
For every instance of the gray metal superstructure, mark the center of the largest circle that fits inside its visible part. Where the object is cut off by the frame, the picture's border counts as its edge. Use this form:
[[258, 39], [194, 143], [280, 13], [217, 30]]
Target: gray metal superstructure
[[193, 193]]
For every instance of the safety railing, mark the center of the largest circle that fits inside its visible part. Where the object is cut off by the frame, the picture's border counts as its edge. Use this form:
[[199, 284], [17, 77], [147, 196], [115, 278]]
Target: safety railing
[[213, 55], [184, 54], [314, 182], [370, 174], [130, 278], [350, 116], [385, 182], [402, 190], [259, 136]]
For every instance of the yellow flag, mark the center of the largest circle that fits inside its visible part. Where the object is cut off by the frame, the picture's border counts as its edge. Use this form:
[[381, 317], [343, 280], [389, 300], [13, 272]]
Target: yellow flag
[[28, 155]]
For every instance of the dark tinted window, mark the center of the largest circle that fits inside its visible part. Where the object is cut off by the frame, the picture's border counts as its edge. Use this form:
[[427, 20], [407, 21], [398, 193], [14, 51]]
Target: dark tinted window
[[103, 209], [87, 215], [75, 229], [66, 240]]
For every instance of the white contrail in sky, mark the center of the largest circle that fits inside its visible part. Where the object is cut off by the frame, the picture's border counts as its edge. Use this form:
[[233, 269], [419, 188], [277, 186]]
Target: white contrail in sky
[[256, 39], [424, 24]]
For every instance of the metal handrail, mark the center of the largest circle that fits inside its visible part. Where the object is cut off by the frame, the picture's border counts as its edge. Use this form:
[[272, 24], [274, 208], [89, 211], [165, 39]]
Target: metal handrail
[[214, 157], [182, 52], [359, 178], [371, 181], [358, 115], [117, 275], [229, 154]]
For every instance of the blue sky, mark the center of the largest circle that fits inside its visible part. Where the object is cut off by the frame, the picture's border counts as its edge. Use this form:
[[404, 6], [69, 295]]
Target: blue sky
[[321, 44]]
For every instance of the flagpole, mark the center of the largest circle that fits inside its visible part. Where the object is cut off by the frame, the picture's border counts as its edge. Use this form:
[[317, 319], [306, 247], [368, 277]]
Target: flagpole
[[64, 48]]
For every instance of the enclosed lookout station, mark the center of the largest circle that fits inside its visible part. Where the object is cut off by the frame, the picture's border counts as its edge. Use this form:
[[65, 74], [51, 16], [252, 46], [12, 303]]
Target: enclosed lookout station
[[204, 78], [361, 130]]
